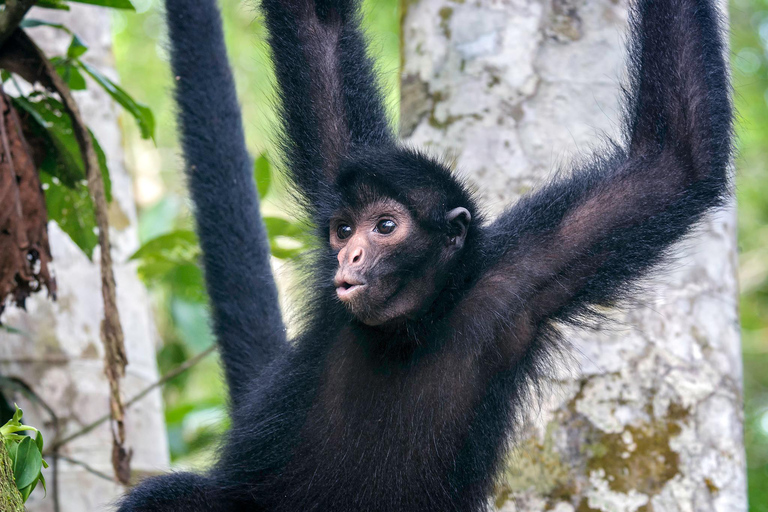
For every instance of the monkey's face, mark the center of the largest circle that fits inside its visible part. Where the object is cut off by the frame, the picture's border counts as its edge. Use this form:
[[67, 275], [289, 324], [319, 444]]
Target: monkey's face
[[390, 268]]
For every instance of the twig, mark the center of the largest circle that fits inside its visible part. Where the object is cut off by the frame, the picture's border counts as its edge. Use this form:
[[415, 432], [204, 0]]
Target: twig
[[111, 330], [88, 468], [186, 365], [11, 16]]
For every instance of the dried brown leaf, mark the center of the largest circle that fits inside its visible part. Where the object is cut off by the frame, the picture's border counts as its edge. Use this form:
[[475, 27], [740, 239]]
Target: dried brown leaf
[[25, 254]]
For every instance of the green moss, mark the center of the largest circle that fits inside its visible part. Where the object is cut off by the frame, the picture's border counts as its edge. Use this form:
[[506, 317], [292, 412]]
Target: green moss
[[640, 458], [445, 20], [537, 466]]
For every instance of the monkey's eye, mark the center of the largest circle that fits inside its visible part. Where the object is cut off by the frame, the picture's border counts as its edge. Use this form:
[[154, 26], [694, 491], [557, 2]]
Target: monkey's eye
[[386, 226], [343, 231]]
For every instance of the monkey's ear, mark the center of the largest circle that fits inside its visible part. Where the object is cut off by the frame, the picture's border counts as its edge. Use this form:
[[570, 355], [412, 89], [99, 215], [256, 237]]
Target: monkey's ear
[[458, 219]]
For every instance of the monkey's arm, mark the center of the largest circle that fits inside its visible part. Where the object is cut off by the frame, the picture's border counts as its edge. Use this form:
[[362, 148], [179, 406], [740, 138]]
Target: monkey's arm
[[584, 240], [246, 312], [330, 101]]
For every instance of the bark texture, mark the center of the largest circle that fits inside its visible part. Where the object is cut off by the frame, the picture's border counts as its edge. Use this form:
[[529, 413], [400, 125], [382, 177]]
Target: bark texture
[[10, 499], [645, 415], [60, 354]]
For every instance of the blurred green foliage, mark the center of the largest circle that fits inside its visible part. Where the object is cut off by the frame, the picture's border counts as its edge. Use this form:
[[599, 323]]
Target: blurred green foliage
[[195, 407], [749, 28]]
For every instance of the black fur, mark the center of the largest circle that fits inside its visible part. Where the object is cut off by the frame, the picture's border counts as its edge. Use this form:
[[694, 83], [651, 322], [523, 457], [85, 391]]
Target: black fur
[[415, 417]]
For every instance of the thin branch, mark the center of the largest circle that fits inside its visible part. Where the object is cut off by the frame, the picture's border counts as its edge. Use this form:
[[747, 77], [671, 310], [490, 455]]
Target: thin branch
[[186, 365], [88, 468], [11, 16]]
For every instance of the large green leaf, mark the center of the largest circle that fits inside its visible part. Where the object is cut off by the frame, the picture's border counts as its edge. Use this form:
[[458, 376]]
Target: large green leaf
[[27, 463], [141, 113], [72, 209], [63, 159]]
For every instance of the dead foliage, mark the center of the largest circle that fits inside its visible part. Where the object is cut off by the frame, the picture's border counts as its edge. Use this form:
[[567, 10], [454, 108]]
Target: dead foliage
[[25, 255]]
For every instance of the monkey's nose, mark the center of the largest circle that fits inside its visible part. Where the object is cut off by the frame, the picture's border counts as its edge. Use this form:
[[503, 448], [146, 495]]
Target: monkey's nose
[[356, 256]]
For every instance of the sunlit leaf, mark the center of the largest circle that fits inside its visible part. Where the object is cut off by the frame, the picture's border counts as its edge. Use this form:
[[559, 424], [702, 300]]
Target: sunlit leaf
[[180, 246], [262, 174], [277, 226], [72, 209], [141, 113], [63, 159], [76, 47]]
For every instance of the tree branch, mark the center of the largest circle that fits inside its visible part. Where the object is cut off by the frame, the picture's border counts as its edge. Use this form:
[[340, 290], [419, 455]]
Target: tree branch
[[186, 365], [11, 16]]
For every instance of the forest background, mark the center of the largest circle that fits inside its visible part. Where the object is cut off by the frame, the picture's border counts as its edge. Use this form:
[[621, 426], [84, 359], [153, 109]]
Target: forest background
[[194, 401]]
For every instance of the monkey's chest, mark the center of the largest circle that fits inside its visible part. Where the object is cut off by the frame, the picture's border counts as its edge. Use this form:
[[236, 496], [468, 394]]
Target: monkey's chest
[[386, 440]]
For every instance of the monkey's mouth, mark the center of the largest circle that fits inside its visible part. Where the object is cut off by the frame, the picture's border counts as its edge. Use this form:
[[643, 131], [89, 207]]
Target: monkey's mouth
[[348, 290]]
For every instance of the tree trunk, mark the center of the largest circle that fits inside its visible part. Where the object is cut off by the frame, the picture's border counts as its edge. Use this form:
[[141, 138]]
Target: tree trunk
[[646, 415], [60, 353], [10, 499]]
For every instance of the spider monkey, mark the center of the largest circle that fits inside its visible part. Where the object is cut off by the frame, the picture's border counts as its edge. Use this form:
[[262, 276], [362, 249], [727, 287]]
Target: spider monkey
[[425, 322]]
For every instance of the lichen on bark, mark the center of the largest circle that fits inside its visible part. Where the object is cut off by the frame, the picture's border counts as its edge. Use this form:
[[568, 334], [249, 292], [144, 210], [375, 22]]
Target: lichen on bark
[[10, 499]]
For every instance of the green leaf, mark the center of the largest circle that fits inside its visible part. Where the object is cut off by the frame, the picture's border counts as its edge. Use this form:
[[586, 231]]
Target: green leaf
[[69, 73], [102, 159], [72, 209], [42, 479], [27, 463], [32, 23], [179, 246], [262, 174], [25, 492], [112, 4], [76, 47], [17, 415], [277, 226], [140, 112], [39, 441], [63, 159], [282, 253], [172, 259], [62, 172], [52, 4]]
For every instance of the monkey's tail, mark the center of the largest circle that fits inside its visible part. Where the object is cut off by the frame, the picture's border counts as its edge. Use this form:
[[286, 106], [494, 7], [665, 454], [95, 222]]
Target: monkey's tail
[[243, 295]]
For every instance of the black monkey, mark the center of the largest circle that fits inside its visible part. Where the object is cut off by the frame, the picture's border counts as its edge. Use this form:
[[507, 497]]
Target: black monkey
[[424, 323]]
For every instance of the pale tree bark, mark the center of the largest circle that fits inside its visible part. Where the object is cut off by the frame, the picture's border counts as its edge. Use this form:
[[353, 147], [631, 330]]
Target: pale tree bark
[[60, 354], [647, 415]]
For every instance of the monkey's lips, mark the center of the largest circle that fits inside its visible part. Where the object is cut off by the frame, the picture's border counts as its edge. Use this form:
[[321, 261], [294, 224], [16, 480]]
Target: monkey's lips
[[348, 289]]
